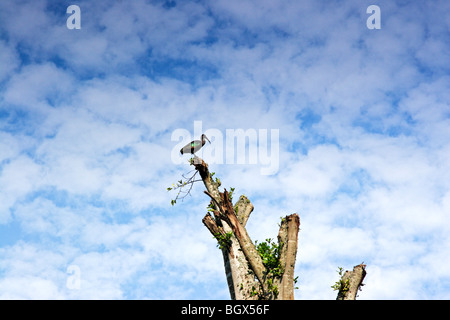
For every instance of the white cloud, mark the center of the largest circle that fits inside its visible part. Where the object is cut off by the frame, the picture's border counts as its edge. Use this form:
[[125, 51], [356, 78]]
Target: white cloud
[[10, 146], [18, 178], [29, 288], [316, 174], [8, 60], [86, 118], [30, 273], [36, 86]]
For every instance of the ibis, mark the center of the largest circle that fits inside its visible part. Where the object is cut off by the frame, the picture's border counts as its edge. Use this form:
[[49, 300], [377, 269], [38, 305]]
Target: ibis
[[194, 146]]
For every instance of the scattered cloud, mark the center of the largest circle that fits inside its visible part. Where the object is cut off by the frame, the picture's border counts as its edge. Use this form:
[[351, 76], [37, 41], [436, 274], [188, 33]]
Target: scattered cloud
[[86, 119]]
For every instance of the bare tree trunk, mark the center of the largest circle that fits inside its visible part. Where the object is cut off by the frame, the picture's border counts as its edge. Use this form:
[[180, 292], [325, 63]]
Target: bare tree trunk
[[247, 276], [353, 281], [288, 235]]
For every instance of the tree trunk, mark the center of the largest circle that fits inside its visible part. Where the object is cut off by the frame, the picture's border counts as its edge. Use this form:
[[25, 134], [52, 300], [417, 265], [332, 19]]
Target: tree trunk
[[288, 235], [353, 281], [248, 276]]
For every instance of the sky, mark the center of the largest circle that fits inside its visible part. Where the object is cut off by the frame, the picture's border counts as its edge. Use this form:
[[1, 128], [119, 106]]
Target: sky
[[91, 121]]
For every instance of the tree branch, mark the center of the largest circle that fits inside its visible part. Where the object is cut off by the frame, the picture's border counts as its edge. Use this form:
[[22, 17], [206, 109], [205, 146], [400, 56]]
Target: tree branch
[[247, 246], [243, 209], [212, 226], [211, 186], [355, 279]]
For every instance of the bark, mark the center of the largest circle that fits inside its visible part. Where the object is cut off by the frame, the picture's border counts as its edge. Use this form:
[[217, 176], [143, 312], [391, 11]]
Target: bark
[[288, 235], [355, 279], [244, 267], [244, 208]]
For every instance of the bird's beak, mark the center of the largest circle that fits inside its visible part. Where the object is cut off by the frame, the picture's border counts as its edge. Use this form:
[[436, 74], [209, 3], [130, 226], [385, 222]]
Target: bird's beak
[[207, 139]]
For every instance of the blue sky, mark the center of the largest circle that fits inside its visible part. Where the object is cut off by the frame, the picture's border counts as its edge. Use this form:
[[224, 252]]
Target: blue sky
[[86, 119]]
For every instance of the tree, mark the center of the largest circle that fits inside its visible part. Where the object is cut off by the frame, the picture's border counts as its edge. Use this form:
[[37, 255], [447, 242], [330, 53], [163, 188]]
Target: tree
[[254, 270]]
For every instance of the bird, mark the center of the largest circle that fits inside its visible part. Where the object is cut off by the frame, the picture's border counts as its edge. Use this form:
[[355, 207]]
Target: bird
[[194, 146]]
